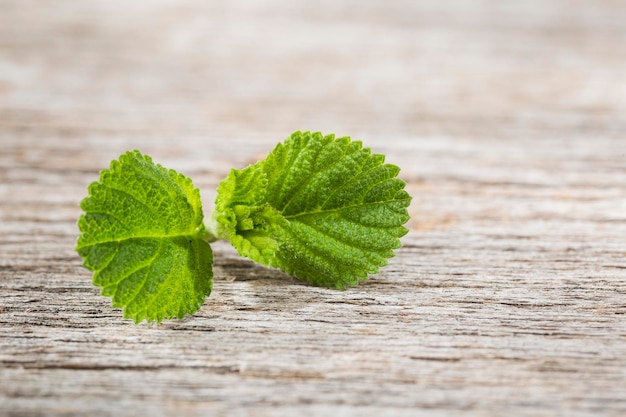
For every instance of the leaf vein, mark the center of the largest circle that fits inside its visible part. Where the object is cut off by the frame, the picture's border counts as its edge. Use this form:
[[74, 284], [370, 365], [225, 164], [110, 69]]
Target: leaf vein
[[344, 208], [145, 278], [302, 185]]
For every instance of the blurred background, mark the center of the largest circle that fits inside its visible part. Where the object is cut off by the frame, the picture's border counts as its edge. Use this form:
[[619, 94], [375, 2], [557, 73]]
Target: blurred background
[[461, 94], [377, 70]]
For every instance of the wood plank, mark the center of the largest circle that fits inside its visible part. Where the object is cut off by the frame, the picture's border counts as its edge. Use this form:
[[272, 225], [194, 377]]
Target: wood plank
[[509, 123]]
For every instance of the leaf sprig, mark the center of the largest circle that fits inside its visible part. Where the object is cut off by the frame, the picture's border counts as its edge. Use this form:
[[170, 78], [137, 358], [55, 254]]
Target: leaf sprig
[[323, 209]]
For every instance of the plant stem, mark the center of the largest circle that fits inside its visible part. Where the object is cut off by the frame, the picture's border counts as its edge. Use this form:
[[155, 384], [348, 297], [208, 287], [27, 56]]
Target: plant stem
[[212, 230], [209, 237]]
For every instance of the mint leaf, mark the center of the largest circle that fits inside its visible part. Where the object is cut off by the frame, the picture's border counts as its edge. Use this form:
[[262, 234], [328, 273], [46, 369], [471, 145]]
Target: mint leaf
[[242, 216], [323, 209], [142, 236]]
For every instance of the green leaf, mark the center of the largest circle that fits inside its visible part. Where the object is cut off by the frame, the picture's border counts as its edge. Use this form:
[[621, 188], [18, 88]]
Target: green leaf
[[323, 209], [142, 236]]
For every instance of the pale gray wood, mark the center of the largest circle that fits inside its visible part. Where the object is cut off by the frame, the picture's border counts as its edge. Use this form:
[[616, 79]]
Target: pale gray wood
[[507, 118]]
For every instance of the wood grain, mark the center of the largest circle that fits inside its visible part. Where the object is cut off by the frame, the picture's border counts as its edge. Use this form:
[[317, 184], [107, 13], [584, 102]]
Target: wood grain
[[507, 118]]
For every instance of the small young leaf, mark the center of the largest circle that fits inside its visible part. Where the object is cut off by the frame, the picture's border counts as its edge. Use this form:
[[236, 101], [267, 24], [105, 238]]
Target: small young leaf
[[323, 209], [142, 236]]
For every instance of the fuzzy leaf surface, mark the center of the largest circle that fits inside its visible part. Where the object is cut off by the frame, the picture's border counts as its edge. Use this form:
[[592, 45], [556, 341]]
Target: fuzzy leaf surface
[[142, 236], [321, 208]]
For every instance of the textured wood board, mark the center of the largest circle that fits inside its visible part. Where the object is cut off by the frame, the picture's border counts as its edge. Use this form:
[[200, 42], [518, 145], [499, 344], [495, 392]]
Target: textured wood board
[[509, 121]]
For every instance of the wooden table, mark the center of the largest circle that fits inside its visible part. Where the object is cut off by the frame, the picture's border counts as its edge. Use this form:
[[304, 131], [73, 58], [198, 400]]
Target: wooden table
[[507, 118]]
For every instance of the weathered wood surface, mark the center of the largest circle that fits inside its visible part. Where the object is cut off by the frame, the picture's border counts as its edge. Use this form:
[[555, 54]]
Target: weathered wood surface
[[508, 118]]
